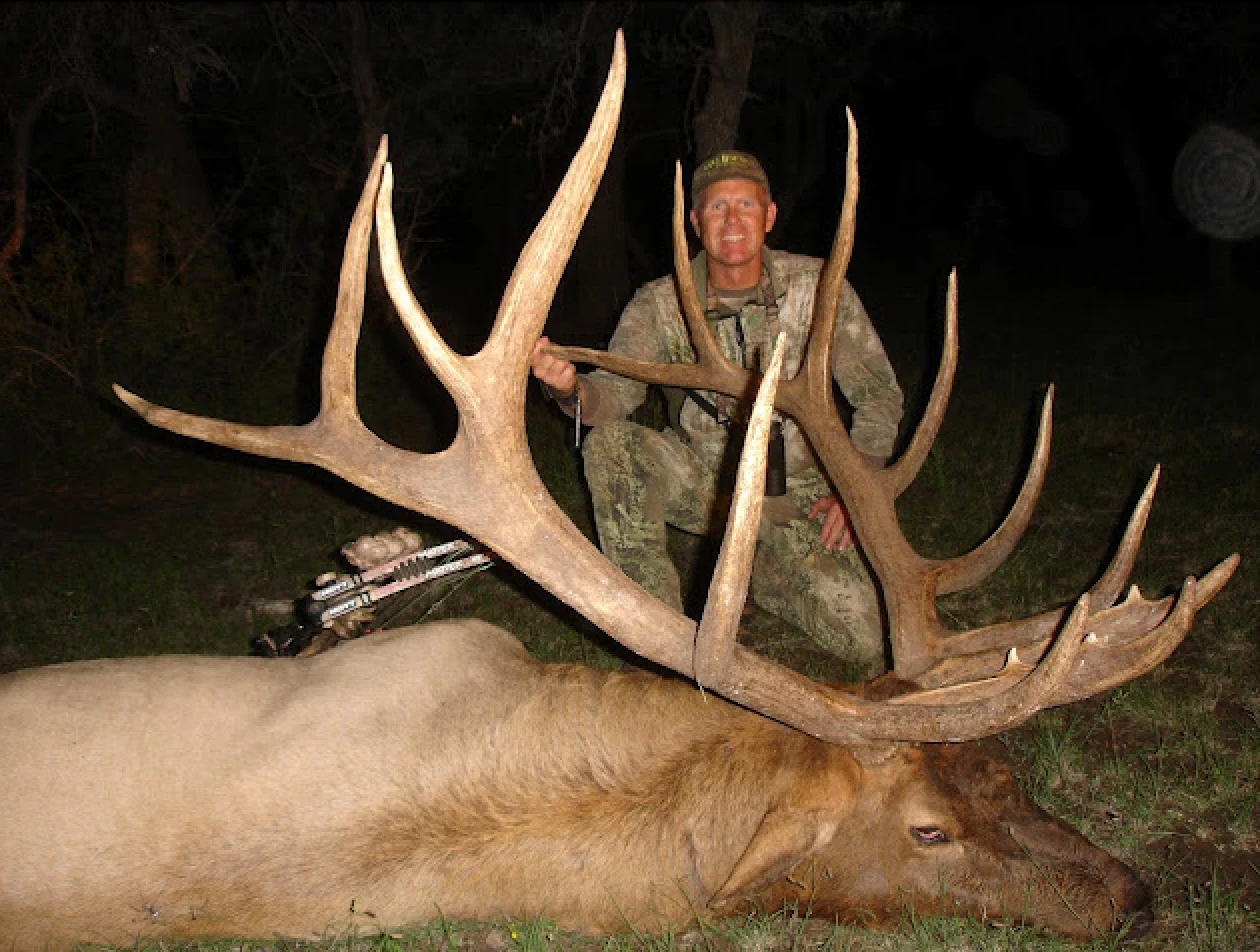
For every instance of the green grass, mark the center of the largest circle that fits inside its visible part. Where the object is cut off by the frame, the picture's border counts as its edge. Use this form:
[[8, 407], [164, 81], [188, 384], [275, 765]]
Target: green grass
[[160, 546]]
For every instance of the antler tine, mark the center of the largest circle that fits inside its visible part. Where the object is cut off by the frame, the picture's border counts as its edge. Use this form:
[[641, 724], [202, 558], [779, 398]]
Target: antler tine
[[337, 376], [715, 638], [1112, 655], [924, 716], [815, 372], [447, 366], [708, 353], [972, 568], [1108, 588], [532, 286], [902, 473], [338, 413], [1141, 654], [1027, 631], [1120, 639], [1004, 694], [1033, 691]]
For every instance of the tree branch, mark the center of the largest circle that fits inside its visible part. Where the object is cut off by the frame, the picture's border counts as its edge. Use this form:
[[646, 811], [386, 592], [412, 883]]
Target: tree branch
[[21, 164]]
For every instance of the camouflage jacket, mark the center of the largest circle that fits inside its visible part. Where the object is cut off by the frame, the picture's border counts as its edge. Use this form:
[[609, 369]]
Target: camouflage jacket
[[652, 328]]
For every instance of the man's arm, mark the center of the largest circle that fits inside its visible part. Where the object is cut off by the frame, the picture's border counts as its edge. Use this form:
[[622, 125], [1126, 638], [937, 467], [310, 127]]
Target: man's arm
[[865, 376], [605, 397]]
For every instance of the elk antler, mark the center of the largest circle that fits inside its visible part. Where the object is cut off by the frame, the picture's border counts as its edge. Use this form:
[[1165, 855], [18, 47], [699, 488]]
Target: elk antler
[[485, 483], [1124, 640]]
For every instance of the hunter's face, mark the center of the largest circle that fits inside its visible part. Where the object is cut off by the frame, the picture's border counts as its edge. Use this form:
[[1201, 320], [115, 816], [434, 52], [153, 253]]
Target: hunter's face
[[732, 219]]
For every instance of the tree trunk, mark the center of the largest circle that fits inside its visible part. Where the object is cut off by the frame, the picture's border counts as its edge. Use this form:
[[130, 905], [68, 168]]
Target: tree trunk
[[734, 27], [170, 217], [144, 216], [22, 130], [805, 140], [363, 80]]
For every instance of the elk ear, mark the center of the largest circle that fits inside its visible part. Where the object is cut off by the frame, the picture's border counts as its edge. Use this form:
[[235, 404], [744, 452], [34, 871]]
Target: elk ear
[[784, 838]]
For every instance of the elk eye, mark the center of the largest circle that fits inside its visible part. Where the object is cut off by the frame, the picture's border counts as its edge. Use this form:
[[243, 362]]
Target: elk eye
[[929, 835]]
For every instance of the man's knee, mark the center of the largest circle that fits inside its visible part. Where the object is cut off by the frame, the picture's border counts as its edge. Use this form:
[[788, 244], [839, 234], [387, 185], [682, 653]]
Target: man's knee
[[830, 595], [621, 472], [610, 444]]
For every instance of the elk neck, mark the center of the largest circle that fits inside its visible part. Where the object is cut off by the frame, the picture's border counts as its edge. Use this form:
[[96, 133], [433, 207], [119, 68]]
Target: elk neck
[[621, 784]]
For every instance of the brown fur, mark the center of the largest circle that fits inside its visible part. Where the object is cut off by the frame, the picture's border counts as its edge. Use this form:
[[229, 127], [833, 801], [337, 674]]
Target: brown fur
[[441, 770]]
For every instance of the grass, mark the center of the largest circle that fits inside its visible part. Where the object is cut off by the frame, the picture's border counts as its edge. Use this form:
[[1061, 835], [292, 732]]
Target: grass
[[160, 546]]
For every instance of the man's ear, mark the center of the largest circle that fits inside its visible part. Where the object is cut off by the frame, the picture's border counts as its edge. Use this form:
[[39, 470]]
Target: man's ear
[[695, 222], [772, 215]]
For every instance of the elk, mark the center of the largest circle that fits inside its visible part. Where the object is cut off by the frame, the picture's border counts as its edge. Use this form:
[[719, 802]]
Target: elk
[[440, 770]]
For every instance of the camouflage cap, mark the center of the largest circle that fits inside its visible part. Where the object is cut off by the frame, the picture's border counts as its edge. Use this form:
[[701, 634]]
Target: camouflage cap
[[729, 163]]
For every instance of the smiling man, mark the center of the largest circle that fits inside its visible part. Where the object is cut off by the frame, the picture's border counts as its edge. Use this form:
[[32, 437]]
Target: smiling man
[[807, 570]]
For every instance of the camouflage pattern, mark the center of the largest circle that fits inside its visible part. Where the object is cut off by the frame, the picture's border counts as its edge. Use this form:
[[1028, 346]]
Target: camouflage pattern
[[652, 328], [641, 480]]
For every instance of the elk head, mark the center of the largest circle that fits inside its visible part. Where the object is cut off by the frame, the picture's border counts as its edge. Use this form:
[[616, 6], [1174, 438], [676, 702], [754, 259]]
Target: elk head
[[970, 684], [946, 829]]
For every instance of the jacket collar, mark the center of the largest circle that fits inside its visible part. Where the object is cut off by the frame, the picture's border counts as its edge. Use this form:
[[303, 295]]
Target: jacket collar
[[769, 261]]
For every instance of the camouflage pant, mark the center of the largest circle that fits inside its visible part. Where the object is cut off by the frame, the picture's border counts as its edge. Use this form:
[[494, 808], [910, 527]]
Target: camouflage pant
[[641, 480]]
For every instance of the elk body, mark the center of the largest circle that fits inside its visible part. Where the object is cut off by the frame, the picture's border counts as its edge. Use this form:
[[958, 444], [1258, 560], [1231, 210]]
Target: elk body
[[383, 784], [441, 771]]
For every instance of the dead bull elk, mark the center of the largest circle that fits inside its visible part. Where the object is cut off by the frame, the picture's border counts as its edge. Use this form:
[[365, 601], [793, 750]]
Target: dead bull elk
[[440, 770]]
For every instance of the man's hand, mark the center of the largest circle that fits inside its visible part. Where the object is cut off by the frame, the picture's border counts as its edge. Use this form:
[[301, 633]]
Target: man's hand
[[557, 373], [835, 527]]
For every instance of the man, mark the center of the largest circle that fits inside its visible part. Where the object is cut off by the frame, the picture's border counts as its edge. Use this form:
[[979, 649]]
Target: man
[[641, 479]]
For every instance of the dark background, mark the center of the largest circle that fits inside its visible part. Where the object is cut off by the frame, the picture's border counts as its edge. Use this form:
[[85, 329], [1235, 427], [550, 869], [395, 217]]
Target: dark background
[[181, 175]]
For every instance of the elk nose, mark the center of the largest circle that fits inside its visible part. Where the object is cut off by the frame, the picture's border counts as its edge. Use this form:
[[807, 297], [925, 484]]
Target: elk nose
[[1137, 925], [1136, 917]]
